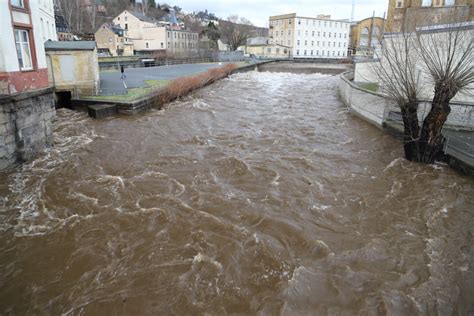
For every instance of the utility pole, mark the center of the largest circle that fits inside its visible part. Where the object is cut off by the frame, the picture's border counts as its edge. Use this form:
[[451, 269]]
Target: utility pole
[[352, 12]]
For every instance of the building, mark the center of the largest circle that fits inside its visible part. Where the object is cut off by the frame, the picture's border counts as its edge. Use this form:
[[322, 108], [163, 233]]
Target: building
[[407, 15], [63, 30], [47, 20], [308, 37], [366, 36], [111, 41], [150, 36], [22, 58], [272, 51], [73, 66], [26, 100]]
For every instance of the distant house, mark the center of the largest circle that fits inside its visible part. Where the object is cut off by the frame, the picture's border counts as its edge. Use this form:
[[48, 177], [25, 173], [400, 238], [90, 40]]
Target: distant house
[[111, 41], [73, 66], [148, 35], [63, 30]]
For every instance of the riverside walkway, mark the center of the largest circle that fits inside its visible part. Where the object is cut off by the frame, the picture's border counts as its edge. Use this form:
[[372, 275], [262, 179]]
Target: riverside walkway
[[112, 84]]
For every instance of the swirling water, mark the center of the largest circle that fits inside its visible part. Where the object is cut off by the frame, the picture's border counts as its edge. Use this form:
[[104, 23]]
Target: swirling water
[[259, 194]]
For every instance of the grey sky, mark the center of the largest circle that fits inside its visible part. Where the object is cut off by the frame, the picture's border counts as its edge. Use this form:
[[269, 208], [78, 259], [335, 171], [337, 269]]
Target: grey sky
[[258, 11]]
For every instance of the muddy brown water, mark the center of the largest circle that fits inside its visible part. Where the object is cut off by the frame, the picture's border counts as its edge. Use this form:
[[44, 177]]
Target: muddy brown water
[[259, 194]]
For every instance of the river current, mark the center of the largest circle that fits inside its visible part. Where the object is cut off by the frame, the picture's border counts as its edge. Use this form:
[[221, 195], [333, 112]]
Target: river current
[[259, 194]]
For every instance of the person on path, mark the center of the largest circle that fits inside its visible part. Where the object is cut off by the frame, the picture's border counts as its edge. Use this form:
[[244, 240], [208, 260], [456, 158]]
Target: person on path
[[122, 71]]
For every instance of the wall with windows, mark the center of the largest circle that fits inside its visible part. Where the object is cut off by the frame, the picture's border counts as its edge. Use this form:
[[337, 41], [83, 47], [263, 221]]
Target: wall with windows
[[321, 38], [22, 58]]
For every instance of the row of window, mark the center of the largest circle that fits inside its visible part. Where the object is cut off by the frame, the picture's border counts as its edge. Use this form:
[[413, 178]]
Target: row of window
[[176, 45], [313, 33], [183, 36], [429, 3], [312, 22], [317, 43], [323, 53], [277, 50]]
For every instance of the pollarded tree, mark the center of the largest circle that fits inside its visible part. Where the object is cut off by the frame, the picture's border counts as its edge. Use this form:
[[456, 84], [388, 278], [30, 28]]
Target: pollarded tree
[[440, 57], [448, 57]]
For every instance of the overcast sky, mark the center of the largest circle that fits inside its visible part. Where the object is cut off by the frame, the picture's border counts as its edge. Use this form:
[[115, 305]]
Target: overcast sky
[[258, 11]]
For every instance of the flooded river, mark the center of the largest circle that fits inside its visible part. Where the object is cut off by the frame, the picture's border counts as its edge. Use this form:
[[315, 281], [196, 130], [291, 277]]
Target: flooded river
[[259, 194]]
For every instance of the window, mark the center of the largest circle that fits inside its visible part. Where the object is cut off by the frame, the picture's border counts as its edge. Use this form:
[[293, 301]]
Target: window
[[269, 50], [282, 33], [289, 21], [161, 45], [306, 33], [305, 43], [305, 52], [319, 33], [18, 3], [399, 3], [146, 45], [426, 3], [277, 51], [126, 18], [324, 34], [126, 26], [298, 42], [22, 43], [311, 53], [312, 43], [299, 33], [289, 43], [297, 52], [449, 2], [289, 32], [312, 33], [299, 22]]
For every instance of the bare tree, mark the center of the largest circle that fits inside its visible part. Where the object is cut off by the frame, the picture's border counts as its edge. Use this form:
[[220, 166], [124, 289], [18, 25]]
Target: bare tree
[[397, 74], [440, 57], [235, 31], [448, 56]]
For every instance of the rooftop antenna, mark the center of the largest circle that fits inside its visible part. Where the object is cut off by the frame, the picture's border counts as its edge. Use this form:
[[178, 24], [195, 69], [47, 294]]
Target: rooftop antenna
[[353, 9]]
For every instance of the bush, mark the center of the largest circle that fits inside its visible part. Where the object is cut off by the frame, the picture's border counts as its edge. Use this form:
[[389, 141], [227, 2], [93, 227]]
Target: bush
[[182, 86]]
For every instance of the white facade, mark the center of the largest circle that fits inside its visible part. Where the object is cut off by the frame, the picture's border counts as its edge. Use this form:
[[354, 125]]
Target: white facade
[[45, 20], [308, 37]]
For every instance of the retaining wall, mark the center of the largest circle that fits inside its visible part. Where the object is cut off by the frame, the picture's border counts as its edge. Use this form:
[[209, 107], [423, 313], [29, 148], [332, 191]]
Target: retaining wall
[[25, 125], [375, 107]]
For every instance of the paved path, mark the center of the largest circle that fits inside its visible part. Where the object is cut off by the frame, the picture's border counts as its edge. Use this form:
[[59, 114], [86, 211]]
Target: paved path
[[111, 83]]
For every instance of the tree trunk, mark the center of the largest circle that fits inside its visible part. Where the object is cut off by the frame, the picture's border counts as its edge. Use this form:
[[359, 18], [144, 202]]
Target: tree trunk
[[431, 139], [411, 131]]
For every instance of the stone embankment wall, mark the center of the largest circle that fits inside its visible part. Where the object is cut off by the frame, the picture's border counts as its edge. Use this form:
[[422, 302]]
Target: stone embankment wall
[[25, 125], [375, 107]]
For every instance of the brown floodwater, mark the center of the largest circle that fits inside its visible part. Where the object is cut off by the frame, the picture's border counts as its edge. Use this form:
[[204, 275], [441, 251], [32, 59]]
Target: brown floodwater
[[259, 194]]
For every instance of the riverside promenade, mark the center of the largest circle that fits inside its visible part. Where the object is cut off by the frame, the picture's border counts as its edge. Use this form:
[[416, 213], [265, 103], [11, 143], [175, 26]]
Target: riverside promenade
[[111, 82]]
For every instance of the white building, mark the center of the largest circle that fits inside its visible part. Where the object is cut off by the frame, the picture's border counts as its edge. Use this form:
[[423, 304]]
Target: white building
[[23, 64], [308, 37], [47, 30]]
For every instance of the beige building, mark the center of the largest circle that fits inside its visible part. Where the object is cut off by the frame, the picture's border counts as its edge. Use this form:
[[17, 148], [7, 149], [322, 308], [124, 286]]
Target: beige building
[[406, 15], [366, 36], [147, 35], [268, 51], [73, 66], [111, 41]]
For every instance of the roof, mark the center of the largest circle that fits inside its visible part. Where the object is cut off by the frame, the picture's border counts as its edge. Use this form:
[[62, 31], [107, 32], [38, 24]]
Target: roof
[[142, 17], [69, 45], [60, 21]]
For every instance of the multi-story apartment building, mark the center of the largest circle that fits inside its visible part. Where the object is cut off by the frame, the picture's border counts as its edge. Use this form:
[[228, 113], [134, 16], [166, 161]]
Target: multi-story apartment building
[[148, 35], [25, 26], [111, 41], [406, 15], [308, 37]]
